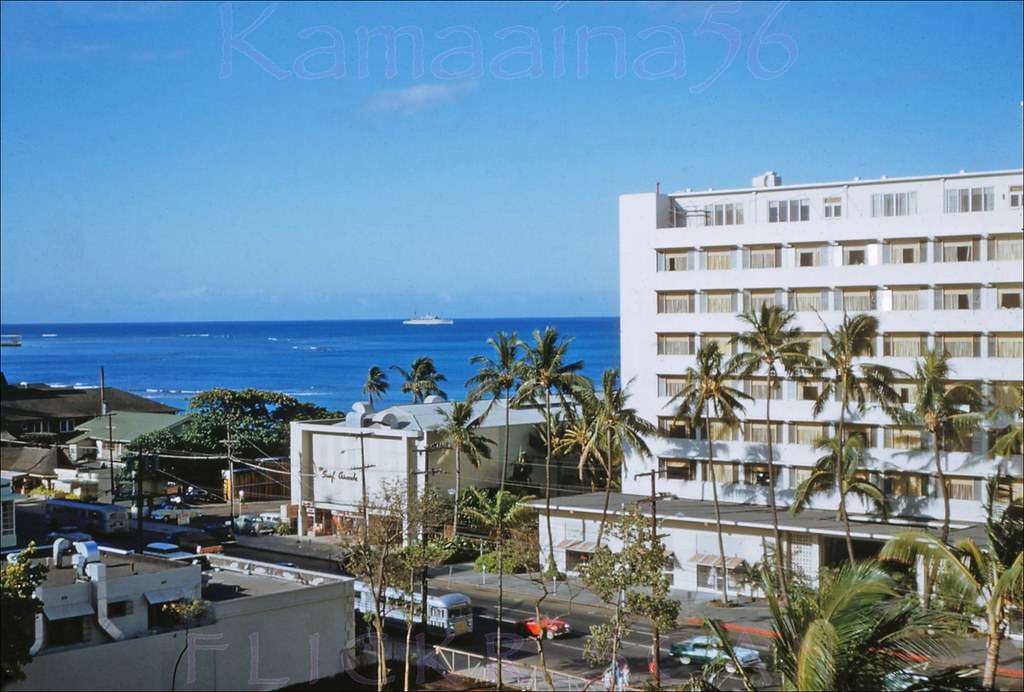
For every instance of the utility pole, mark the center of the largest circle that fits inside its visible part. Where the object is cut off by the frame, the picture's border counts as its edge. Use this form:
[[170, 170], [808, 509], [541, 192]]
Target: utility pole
[[366, 509], [104, 411], [139, 543], [655, 634], [426, 473]]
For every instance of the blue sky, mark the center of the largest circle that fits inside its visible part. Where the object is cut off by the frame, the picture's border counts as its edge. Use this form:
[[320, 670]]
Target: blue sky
[[157, 162]]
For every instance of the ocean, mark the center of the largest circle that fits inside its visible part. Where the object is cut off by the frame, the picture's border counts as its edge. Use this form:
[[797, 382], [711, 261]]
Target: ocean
[[323, 362]]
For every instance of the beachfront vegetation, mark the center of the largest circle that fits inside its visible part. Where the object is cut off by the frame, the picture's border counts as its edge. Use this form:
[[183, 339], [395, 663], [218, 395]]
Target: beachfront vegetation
[[421, 380], [376, 385], [458, 433]]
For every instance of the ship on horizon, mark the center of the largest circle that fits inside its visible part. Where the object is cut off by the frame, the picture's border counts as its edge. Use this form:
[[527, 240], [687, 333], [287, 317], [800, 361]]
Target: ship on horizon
[[428, 318]]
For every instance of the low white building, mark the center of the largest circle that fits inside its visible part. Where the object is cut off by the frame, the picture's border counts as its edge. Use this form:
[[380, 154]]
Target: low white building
[[398, 444], [8, 526], [103, 625]]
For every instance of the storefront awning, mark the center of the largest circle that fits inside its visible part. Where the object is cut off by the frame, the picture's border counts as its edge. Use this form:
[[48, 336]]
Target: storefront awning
[[709, 560], [585, 547], [64, 611], [165, 596], [566, 544]]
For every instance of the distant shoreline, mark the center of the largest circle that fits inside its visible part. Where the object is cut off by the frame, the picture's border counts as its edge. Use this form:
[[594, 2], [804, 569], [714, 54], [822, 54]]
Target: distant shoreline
[[14, 326]]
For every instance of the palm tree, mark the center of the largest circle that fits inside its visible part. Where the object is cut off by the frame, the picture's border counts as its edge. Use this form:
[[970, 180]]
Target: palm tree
[[500, 512], [829, 474], [832, 637], [939, 406], [852, 381], [421, 380], [546, 371], [992, 576], [376, 384], [773, 342], [1010, 422], [499, 377], [706, 394], [618, 426], [458, 432]]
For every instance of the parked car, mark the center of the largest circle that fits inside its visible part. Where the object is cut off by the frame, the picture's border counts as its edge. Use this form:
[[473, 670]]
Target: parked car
[[168, 551], [550, 627], [196, 542], [705, 649], [212, 526], [72, 533], [253, 524]]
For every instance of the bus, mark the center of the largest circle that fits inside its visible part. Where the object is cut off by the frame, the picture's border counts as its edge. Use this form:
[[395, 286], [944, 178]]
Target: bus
[[448, 614], [93, 517]]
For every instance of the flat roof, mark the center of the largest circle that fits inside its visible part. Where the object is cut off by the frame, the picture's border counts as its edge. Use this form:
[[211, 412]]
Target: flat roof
[[233, 577], [118, 566], [810, 521]]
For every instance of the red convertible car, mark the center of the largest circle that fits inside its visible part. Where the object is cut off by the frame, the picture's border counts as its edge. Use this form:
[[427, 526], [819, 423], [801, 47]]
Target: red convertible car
[[550, 627]]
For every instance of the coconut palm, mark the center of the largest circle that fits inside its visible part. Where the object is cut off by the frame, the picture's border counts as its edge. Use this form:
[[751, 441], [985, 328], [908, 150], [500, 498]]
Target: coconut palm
[[1009, 422], [775, 344], [547, 371], [829, 474], [852, 632], [854, 382], [458, 432], [421, 380], [942, 408], [499, 376], [618, 426], [706, 395], [376, 384], [500, 512], [992, 575]]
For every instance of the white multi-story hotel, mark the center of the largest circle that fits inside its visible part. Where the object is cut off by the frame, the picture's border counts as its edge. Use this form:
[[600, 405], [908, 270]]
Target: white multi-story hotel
[[938, 259]]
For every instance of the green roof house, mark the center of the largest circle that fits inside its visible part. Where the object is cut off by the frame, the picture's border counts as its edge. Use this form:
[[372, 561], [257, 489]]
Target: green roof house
[[118, 430]]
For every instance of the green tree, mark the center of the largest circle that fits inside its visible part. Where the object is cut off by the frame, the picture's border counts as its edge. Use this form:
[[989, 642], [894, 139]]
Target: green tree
[[619, 427], [706, 395], [499, 512], [188, 612], [775, 344], [413, 559], [18, 582], [546, 371], [498, 376], [376, 384], [853, 381], [421, 380], [992, 575], [829, 474], [458, 432], [1009, 423], [850, 632]]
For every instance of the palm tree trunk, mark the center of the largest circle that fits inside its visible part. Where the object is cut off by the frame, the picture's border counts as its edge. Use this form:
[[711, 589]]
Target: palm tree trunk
[[607, 490], [846, 520], [501, 542], [992, 645], [547, 480], [771, 495], [841, 443], [458, 491], [944, 484], [718, 512]]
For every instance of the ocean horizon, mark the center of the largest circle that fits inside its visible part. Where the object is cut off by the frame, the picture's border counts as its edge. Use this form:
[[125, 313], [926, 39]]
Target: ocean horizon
[[320, 361]]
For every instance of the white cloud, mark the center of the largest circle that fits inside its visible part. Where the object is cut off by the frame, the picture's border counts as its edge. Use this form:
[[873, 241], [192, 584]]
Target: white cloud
[[412, 99]]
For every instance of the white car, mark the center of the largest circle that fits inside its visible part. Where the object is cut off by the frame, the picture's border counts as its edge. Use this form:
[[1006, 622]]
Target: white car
[[71, 533], [168, 551]]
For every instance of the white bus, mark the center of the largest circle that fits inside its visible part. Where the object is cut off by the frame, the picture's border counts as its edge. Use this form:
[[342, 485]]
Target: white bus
[[93, 517], [447, 614]]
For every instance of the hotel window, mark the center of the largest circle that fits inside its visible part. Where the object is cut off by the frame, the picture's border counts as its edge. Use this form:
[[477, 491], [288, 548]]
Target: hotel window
[[675, 344], [906, 485], [905, 251], [905, 345], [904, 438], [833, 207], [720, 430], [724, 472], [961, 488], [720, 302], [787, 210], [808, 391], [808, 300], [904, 299], [969, 199], [670, 385], [894, 204], [858, 299], [757, 474], [757, 431], [758, 388], [66, 631], [1006, 248], [1008, 297], [959, 298], [905, 391], [865, 432], [1016, 195], [724, 214], [762, 257], [675, 302], [959, 345], [672, 260], [1006, 346], [814, 344], [957, 250], [755, 300], [724, 341], [806, 433], [676, 215], [675, 429], [808, 256], [1004, 394], [855, 255], [677, 469], [1009, 489], [719, 258], [119, 609]]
